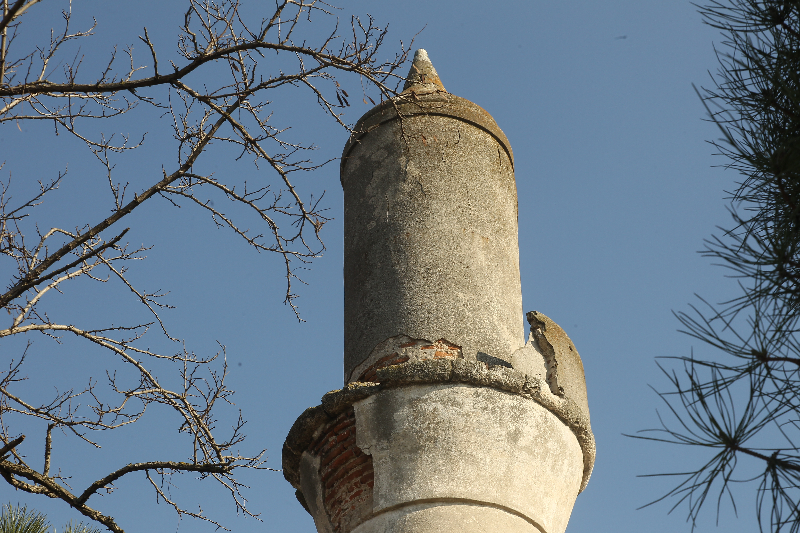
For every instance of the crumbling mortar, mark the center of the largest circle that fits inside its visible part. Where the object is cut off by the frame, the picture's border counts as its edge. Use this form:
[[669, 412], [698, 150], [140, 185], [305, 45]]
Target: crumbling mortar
[[307, 428], [394, 351], [538, 328]]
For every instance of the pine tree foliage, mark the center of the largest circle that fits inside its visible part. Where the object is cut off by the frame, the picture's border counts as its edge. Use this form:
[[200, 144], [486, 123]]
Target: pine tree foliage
[[740, 401], [79, 528], [18, 519]]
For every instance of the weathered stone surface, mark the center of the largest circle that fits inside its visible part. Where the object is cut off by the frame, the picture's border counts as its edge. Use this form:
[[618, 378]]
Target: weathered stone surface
[[299, 439], [509, 380], [337, 401], [443, 371], [564, 365], [422, 77], [470, 372], [470, 443], [417, 372], [311, 488], [430, 236], [529, 361], [402, 349], [448, 516]]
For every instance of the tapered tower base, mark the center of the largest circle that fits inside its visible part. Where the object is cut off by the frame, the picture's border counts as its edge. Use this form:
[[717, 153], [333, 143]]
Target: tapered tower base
[[438, 442]]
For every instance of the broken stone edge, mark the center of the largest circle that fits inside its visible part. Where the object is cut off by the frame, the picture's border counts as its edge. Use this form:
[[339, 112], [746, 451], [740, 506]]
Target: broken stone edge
[[310, 424], [432, 103]]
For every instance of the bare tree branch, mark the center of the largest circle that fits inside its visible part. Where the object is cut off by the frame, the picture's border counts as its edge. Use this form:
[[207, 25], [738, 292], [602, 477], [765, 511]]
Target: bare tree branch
[[220, 92]]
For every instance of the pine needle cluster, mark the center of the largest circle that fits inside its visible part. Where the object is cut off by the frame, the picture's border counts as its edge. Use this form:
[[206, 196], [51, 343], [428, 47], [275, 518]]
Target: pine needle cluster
[[741, 401]]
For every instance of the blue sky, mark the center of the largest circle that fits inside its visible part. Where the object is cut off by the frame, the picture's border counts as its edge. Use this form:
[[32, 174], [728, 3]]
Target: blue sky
[[616, 194]]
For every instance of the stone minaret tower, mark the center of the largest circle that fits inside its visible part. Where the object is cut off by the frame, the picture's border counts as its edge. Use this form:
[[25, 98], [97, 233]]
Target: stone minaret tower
[[448, 421]]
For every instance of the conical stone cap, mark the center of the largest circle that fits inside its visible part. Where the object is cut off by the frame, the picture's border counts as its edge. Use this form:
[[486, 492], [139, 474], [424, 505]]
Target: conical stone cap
[[422, 76]]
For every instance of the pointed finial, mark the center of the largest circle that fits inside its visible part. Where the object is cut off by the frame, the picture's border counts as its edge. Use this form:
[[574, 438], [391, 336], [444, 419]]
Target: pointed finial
[[422, 75]]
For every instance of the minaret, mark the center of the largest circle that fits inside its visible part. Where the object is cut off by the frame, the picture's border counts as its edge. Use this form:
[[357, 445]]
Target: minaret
[[449, 420]]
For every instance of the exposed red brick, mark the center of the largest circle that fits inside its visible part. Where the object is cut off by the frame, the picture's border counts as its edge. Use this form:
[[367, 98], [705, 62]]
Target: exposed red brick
[[438, 350], [355, 495], [345, 471], [341, 459], [341, 426], [331, 454], [356, 463], [351, 476], [371, 374]]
